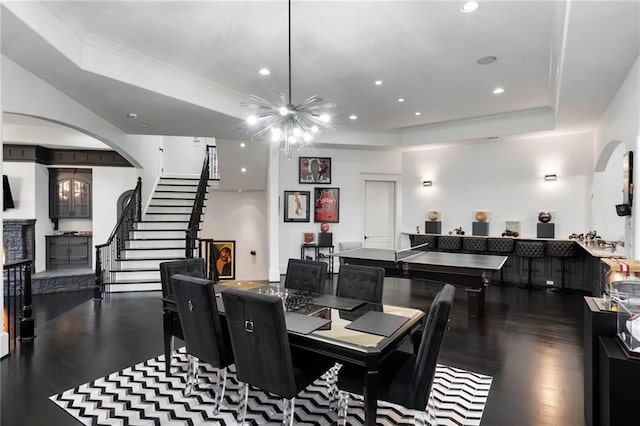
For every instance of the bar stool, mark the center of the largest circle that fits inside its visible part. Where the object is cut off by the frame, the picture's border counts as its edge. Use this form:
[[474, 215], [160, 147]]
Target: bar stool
[[561, 249], [504, 247], [529, 249], [431, 240], [449, 243], [474, 245]]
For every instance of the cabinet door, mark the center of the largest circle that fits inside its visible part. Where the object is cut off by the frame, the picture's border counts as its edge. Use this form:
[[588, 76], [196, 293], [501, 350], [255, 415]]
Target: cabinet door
[[81, 199], [57, 252], [62, 199], [79, 252]]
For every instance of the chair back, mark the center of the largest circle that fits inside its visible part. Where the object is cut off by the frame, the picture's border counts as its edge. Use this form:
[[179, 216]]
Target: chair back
[[435, 328], [260, 343], [191, 267], [200, 320], [360, 282], [306, 275]]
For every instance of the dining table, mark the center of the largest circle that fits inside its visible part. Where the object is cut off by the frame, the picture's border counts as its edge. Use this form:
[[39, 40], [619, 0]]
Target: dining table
[[347, 330]]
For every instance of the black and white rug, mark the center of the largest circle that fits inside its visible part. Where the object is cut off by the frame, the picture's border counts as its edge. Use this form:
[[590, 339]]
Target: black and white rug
[[144, 395]]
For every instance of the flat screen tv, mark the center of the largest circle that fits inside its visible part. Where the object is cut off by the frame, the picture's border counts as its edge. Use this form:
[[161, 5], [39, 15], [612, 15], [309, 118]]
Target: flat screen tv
[[7, 200]]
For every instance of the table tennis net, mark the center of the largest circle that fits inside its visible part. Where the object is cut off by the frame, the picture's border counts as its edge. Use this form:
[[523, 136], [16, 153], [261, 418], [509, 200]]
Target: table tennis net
[[403, 254]]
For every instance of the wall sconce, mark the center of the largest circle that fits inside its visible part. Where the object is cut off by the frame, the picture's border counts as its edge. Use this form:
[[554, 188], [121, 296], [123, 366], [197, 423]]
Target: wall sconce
[[549, 177], [427, 183]]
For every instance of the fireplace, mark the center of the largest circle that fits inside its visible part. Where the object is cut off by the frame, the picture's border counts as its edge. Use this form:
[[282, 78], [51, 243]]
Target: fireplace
[[19, 239]]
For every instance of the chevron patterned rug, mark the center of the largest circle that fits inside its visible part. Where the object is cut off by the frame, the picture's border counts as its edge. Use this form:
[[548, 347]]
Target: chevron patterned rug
[[144, 395]]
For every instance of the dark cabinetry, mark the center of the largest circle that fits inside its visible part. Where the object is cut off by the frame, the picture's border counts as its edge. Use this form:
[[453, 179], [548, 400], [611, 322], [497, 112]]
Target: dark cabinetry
[[69, 193], [619, 377], [68, 251], [597, 323]]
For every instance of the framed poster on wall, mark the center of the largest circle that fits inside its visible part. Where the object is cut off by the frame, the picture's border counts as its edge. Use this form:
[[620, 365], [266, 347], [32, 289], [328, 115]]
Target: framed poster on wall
[[314, 170], [327, 205], [224, 255], [296, 206]]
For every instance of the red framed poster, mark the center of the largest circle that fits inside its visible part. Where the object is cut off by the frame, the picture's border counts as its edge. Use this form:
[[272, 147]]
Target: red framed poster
[[327, 205]]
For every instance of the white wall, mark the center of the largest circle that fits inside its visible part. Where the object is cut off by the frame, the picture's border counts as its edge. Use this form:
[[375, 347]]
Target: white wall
[[607, 192], [621, 122], [44, 226], [348, 171], [182, 156], [240, 216], [504, 177], [23, 185], [108, 184]]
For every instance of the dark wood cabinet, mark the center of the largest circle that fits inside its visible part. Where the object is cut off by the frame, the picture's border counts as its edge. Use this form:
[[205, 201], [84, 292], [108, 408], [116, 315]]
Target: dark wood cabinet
[[69, 193], [68, 251]]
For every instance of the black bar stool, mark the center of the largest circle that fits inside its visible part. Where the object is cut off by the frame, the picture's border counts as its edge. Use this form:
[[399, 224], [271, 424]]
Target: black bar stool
[[449, 243], [561, 249], [474, 245], [529, 249], [501, 246]]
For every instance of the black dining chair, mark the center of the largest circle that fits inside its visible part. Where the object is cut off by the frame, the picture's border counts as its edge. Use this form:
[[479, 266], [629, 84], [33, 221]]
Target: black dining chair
[[263, 357], [355, 282], [360, 282], [306, 275], [205, 338], [404, 378], [171, 321]]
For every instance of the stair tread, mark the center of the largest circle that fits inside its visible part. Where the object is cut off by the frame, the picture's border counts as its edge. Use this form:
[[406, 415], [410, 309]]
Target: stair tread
[[153, 248], [162, 221], [175, 213], [150, 258], [150, 281], [161, 229], [137, 270], [156, 239]]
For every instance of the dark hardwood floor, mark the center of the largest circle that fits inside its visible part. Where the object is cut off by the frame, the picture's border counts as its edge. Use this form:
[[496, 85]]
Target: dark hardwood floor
[[529, 341]]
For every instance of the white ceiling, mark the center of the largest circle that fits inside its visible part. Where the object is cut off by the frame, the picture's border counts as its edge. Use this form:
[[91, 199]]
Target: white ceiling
[[569, 58]]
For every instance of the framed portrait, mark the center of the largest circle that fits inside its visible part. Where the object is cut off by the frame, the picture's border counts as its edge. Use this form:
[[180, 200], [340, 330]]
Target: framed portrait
[[327, 205], [296, 206], [314, 170], [224, 259]]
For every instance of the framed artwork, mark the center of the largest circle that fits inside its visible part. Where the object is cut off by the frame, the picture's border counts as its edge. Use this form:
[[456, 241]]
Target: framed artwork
[[297, 206], [224, 259], [314, 170], [327, 205]]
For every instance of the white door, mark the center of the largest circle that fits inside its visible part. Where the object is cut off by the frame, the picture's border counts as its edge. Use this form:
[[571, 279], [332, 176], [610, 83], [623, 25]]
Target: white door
[[379, 214]]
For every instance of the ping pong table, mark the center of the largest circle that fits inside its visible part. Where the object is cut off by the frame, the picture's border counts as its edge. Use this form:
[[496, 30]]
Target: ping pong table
[[469, 271]]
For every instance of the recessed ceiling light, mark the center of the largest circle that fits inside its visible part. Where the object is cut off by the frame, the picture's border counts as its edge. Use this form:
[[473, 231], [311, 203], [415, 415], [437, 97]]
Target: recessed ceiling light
[[498, 90], [243, 170], [487, 60], [378, 82], [400, 99], [242, 145], [132, 116], [353, 117], [417, 112], [470, 6], [264, 71], [239, 190]]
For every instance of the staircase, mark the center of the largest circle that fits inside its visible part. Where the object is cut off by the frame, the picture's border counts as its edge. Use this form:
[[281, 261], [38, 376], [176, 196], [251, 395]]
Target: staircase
[[160, 237]]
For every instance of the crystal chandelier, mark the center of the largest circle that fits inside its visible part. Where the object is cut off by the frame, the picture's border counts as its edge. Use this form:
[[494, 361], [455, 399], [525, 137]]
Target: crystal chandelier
[[289, 126]]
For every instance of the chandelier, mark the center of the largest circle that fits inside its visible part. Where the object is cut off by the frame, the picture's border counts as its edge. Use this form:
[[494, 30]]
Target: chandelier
[[289, 126]]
